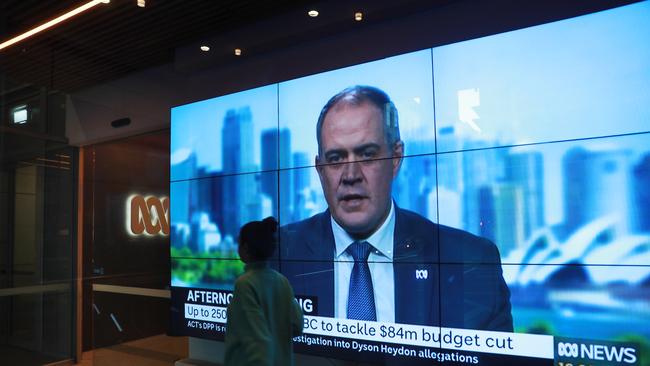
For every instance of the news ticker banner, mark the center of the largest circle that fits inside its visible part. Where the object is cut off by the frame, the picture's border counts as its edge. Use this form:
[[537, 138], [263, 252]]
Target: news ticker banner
[[204, 313]]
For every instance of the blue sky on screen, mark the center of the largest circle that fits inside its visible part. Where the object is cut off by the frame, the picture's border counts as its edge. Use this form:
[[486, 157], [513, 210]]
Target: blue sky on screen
[[586, 76], [582, 77], [198, 126]]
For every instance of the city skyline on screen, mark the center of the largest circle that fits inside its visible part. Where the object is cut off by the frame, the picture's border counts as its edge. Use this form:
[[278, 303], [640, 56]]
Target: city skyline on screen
[[498, 72], [536, 139]]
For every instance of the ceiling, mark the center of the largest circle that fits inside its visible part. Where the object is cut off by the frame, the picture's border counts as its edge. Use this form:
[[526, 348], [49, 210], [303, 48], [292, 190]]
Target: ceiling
[[115, 39]]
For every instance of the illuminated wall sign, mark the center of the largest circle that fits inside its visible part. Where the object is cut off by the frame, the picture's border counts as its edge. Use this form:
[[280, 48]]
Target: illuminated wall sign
[[147, 215], [20, 115]]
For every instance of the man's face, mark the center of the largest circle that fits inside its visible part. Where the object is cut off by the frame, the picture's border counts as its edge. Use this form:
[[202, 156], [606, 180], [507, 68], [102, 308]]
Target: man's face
[[355, 167]]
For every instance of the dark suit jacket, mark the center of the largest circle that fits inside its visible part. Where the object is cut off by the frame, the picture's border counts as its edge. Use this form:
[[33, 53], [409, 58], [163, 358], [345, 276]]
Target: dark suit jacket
[[464, 287]]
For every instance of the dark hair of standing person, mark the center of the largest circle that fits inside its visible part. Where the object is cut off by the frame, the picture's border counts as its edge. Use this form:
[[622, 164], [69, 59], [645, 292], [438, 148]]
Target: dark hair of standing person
[[259, 238]]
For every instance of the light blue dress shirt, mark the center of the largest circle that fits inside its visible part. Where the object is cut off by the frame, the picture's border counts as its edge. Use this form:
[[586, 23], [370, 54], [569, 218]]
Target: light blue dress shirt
[[380, 263]]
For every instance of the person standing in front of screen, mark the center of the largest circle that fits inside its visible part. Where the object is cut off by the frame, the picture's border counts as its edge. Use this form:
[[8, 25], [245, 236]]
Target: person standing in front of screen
[[263, 315], [365, 258]]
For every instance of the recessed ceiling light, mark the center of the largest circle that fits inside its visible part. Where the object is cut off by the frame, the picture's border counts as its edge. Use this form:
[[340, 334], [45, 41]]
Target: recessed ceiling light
[[237, 51], [142, 3], [205, 48], [358, 16], [313, 13]]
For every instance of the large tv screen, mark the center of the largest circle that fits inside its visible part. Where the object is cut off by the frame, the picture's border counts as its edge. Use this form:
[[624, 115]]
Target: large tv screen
[[486, 202]]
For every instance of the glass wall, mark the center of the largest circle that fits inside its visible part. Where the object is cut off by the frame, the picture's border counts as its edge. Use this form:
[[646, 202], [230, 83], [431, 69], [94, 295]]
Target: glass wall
[[37, 226], [126, 261]]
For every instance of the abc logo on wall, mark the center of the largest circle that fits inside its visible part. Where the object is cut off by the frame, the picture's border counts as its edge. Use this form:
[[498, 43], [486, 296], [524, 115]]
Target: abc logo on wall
[[147, 215]]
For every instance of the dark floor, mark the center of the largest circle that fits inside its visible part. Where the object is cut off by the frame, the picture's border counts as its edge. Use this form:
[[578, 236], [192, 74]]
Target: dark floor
[[159, 350], [10, 355]]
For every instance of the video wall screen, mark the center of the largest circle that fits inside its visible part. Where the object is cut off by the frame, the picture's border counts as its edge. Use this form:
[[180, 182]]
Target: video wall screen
[[496, 190]]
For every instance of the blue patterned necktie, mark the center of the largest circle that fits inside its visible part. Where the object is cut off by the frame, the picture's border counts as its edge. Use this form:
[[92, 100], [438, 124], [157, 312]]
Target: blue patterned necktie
[[361, 297]]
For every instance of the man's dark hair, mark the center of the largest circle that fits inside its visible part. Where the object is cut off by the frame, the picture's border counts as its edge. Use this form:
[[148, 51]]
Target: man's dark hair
[[357, 95], [260, 238]]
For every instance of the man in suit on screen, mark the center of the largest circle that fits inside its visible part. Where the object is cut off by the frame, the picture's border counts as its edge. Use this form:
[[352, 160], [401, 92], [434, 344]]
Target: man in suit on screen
[[365, 258]]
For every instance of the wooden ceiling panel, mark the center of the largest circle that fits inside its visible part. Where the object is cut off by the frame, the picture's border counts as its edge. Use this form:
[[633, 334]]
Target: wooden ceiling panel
[[112, 40]]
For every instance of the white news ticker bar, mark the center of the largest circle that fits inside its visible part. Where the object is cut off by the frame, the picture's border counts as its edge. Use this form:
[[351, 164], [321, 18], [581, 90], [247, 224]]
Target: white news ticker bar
[[514, 344], [208, 313], [505, 343]]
